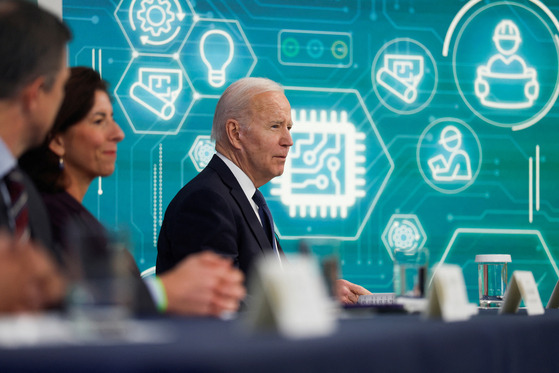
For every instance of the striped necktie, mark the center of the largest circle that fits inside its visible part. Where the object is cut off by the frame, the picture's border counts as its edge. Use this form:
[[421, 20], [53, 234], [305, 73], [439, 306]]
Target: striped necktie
[[266, 219], [18, 210]]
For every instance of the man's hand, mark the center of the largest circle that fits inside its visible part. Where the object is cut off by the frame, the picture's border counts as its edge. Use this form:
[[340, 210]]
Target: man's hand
[[348, 293], [203, 284], [29, 279]]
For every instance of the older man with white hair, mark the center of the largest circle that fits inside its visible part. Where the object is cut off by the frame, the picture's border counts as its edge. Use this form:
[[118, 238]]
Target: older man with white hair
[[221, 209]]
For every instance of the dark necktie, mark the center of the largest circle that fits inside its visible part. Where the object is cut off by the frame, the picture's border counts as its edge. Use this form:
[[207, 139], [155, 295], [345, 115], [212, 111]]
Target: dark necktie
[[265, 218], [18, 210]]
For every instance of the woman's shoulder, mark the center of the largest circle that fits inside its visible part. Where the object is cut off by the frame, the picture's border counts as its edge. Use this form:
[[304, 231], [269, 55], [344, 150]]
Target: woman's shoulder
[[61, 203]]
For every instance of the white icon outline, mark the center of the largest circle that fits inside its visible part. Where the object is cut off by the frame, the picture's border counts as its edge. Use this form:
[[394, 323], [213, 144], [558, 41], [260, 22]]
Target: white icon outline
[[142, 16], [449, 168], [201, 152], [463, 18], [507, 40], [405, 44], [216, 69], [318, 162], [401, 75], [148, 23], [445, 188], [155, 90], [372, 198], [414, 235]]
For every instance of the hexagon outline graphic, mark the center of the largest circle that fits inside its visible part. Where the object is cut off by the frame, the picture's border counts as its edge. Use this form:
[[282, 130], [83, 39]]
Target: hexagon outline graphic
[[494, 231], [171, 131], [384, 150], [191, 153], [241, 32], [180, 16], [423, 236]]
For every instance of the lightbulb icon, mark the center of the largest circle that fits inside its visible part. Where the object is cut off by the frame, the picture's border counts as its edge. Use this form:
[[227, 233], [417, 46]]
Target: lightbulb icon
[[220, 58]]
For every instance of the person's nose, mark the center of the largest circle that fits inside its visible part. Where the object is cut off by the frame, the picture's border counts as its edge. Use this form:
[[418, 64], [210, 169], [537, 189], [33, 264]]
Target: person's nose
[[287, 140], [117, 134]]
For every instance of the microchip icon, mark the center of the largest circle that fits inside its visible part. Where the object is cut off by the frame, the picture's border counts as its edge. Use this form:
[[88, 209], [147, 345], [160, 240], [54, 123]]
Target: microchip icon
[[323, 174]]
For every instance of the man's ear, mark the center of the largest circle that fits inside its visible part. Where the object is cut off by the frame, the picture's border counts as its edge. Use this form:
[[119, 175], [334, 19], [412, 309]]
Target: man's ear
[[233, 130], [32, 92], [56, 145]]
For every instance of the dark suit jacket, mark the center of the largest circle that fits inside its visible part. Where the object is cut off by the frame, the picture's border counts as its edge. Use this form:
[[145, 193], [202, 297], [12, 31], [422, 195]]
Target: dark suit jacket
[[38, 218], [211, 212]]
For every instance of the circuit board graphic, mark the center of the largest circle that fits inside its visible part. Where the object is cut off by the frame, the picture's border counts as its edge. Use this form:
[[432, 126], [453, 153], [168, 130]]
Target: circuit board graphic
[[323, 174], [387, 95]]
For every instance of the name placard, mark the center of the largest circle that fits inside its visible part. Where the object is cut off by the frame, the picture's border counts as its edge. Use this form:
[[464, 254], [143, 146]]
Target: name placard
[[291, 298], [447, 296], [522, 286], [377, 299]]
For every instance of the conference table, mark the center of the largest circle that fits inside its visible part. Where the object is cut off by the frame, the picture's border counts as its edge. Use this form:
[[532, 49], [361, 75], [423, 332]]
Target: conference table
[[364, 340]]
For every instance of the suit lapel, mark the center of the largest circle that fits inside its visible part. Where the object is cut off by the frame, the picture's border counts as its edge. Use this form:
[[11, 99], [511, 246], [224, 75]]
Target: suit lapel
[[244, 204]]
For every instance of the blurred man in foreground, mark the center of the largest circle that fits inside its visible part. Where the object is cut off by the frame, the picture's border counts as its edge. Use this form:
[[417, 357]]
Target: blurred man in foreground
[[32, 76]]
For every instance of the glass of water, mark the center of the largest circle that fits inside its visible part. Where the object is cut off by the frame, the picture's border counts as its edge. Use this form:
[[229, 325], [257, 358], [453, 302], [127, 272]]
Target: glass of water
[[492, 279]]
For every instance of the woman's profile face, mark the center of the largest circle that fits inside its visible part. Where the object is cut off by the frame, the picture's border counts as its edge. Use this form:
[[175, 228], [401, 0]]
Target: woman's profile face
[[90, 145]]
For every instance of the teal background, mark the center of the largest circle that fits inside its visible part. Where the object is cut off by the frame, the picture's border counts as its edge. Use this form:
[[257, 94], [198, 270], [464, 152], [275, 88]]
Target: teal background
[[392, 140]]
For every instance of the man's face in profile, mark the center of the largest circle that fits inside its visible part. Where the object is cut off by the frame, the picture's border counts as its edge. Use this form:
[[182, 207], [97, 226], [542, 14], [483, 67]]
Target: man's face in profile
[[266, 139]]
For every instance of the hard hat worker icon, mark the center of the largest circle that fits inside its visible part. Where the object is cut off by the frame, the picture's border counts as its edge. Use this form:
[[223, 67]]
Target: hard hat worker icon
[[507, 37], [456, 164], [506, 82]]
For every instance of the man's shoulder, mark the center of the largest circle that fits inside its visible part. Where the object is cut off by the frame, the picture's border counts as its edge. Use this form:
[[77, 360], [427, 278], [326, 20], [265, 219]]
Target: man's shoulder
[[206, 184], [207, 179], [215, 175]]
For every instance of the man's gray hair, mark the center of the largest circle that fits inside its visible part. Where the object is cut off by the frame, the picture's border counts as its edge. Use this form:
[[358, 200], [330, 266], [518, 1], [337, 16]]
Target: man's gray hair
[[235, 103]]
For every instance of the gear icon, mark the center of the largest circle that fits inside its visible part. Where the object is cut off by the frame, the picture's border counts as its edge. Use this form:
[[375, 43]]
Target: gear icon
[[404, 236], [204, 152], [155, 16], [201, 152]]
